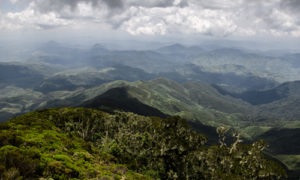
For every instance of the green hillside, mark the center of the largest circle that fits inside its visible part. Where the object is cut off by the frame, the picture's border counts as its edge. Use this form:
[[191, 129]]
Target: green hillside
[[33, 146], [193, 101], [78, 143]]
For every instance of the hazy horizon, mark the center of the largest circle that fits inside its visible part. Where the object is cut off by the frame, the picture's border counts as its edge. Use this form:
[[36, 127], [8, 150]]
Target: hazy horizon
[[271, 24]]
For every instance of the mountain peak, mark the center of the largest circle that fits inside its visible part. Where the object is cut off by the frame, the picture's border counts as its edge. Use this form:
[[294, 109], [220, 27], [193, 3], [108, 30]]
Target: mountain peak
[[173, 47], [98, 46]]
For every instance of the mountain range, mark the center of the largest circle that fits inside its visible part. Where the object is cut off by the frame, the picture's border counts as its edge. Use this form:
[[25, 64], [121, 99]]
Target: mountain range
[[254, 93]]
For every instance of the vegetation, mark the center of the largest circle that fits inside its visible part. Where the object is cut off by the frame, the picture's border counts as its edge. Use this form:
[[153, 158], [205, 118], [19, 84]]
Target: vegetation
[[79, 143], [32, 146], [193, 101]]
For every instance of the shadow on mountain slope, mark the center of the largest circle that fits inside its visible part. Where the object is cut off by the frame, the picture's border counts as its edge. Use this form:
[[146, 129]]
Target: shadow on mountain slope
[[119, 99]]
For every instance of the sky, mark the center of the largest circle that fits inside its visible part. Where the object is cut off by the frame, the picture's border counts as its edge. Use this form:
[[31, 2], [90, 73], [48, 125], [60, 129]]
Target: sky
[[152, 19]]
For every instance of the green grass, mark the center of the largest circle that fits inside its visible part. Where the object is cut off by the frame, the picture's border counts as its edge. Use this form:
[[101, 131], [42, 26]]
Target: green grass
[[60, 155]]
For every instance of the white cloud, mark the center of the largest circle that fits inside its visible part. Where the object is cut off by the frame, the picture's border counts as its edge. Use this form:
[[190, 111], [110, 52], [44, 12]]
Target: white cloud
[[178, 20], [13, 1], [162, 17], [282, 20], [30, 18]]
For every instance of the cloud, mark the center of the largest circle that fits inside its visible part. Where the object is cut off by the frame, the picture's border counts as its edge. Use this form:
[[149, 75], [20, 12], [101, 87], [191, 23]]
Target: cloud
[[219, 4], [162, 17], [13, 1], [59, 5], [292, 5], [29, 18], [157, 3], [178, 20]]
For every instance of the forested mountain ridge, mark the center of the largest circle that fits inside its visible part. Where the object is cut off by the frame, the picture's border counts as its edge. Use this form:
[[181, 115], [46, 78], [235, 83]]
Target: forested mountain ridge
[[83, 143]]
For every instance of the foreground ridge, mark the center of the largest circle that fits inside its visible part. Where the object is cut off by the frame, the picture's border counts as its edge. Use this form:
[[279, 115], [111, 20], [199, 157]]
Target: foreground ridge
[[80, 143]]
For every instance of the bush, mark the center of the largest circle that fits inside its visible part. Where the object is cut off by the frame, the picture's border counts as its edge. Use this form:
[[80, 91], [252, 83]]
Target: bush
[[18, 162], [10, 138]]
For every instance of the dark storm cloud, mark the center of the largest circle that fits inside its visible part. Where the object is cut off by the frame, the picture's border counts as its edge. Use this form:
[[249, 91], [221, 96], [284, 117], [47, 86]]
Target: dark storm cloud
[[292, 5], [157, 3], [112, 3], [58, 5], [46, 26]]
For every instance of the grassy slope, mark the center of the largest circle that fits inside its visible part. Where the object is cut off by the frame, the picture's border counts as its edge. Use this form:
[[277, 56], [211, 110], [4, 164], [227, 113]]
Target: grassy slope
[[44, 150]]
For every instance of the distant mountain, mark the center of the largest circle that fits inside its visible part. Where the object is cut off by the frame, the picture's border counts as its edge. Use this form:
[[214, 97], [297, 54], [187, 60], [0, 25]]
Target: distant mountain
[[180, 49], [179, 53], [259, 64], [229, 80], [59, 49], [174, 48], [61, 55], [51, 47], [280, 102], [281, 92], [20, 75], [98, 49], [87, 78], [148, 61], [294, 59], [287, 107], [171, 59], [256, 97]]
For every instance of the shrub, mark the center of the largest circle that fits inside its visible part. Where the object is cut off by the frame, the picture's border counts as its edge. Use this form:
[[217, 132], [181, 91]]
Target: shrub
[[19, 162], [10, 138]]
